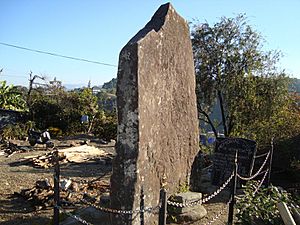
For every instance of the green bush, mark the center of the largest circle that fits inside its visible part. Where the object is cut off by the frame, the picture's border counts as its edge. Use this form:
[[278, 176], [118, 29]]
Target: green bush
[[260, 208], [105, 125], [16, 131]]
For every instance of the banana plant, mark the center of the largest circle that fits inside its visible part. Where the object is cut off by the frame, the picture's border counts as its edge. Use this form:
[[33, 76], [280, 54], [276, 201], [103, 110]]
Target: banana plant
[[10, 98]]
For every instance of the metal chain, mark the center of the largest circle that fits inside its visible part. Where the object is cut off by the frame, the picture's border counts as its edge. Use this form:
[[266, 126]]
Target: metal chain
[[219, 190], [201, 201], [261, 182], [117, 211], [258, 172], [216, 217], [73, 216]]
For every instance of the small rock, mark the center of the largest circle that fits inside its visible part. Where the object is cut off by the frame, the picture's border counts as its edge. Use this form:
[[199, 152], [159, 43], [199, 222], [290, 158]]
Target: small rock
[[196, 213], [189, 213]]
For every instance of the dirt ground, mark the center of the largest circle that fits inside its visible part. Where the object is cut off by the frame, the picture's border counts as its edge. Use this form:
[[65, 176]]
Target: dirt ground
[[15, 176]]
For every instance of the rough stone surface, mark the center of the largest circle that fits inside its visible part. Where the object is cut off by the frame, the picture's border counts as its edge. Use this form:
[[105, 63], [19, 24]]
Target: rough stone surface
[[197, 213], [157, 115]]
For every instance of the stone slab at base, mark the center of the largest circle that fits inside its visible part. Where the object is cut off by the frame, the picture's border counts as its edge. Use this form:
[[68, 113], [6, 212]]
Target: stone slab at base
[[187, 214]]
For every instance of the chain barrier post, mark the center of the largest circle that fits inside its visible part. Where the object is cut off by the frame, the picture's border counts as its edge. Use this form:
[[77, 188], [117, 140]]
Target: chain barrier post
[[56, 188], [270, 162], [163, 208], [233, 191], [142, 206], [162, 220]]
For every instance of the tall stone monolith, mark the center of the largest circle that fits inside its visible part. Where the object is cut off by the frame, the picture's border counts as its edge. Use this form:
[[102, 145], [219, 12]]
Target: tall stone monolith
[[157, 115]]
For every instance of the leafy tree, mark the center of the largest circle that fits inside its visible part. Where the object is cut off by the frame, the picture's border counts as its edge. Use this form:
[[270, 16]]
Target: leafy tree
[[105, 125], [52, 106], [233, 70], [11, 98], [106, 100]]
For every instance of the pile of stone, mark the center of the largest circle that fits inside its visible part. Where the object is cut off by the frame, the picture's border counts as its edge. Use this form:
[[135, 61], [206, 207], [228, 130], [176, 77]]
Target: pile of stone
[[41, 195]]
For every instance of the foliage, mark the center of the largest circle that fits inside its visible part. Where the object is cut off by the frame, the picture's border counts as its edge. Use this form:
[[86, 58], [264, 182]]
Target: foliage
[[16, 131], [61, 109], [52, 107], [55, 132], [106, 100], [11, 98], [106, 125], [183, 187], [233, 71], [260, 206], [268, 112]]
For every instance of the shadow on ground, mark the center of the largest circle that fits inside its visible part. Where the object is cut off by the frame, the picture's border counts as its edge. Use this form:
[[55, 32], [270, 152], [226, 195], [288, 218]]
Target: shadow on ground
[[16, 211]]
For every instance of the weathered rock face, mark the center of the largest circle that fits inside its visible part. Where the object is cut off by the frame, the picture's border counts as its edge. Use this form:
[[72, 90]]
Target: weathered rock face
[[158, 126]]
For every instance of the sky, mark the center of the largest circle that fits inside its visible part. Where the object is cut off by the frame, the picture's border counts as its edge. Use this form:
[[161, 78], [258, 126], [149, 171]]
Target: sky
[[96, 30]]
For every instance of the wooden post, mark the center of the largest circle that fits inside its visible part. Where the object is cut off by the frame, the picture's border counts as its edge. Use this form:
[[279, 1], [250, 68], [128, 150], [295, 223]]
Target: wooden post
[[142, 206], [233, 191], [270, 162], [56, 188], [163, 209], [285, 214], [295, 214]]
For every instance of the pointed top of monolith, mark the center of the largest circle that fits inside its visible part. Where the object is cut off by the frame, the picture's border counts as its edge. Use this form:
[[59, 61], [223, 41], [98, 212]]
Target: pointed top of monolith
[[157, 21]]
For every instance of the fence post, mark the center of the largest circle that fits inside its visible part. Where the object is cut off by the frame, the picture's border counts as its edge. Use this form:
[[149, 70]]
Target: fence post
[[56, 188], [142, 206], [233, 191], [270, 162], [163, 208]]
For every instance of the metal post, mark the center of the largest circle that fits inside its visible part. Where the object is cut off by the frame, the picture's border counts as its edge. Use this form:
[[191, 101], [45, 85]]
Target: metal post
[[56, 188], [163, 208], [270, 162], [233, 191], [142, 206]]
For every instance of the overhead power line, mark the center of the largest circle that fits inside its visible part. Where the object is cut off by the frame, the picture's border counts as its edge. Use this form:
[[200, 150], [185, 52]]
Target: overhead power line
[[57, 55]]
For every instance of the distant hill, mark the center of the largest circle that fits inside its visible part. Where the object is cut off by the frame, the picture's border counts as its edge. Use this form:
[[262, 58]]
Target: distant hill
[[111, 84]]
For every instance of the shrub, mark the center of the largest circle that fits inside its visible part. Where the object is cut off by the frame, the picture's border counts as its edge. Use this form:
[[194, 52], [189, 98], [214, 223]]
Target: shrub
[[16, 131], [105, 125], [260, 207]]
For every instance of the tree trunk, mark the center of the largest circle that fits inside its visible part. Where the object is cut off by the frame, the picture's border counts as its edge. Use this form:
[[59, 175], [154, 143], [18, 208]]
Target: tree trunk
[[209, 121], [223, 113]]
